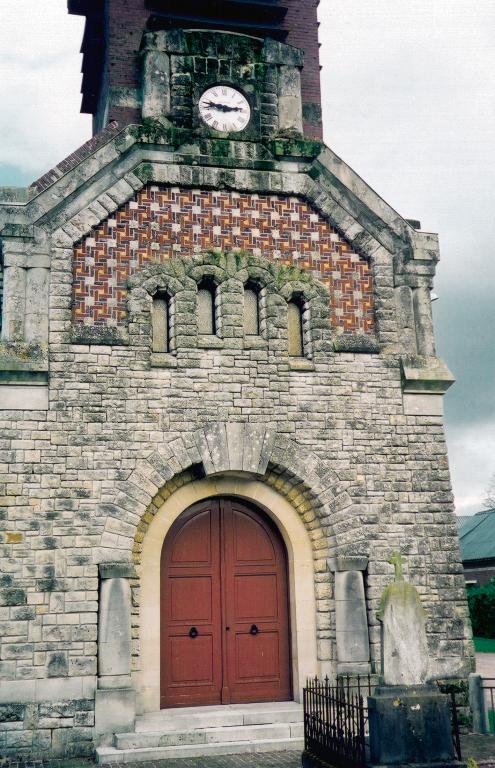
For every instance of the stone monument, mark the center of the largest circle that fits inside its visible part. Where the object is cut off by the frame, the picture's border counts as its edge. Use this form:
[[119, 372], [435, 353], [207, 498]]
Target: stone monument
[[404, 652], [408, 717]]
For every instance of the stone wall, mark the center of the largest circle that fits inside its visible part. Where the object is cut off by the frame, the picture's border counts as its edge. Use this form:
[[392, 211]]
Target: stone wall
[[1, 292], [59, 728]]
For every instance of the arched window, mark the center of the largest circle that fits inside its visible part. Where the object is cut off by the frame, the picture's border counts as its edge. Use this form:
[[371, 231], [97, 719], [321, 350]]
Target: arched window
[[251, 310], [206, 308], [160, 322], [295, 310]]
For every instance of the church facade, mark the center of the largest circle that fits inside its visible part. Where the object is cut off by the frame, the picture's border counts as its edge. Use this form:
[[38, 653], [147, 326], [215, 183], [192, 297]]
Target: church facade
[[220, 400]]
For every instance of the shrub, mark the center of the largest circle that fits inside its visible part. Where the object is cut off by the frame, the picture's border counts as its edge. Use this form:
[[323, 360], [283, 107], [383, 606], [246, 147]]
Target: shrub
[[481, 602]]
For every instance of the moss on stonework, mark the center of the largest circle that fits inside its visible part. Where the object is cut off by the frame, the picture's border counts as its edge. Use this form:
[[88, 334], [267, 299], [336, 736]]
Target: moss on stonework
[[292, 274], [312, 112], [218, 45], [153, 131], [11, 713], [314, 173], [17, 230], [217, 148], [401, 593], [19, 351], [21, 362], [295, 146], [12, 597]]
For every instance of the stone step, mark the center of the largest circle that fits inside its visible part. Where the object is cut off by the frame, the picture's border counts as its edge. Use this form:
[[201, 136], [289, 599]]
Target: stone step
[[208, 735], [113, 755], [187, 718]]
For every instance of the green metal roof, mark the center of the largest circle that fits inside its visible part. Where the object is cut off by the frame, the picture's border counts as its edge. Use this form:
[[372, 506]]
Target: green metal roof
[[466, 523], [477, 536], [463, 520]]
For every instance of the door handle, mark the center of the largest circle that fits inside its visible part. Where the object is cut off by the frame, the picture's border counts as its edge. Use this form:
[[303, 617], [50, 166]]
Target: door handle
[[254, 629], [193, 632]]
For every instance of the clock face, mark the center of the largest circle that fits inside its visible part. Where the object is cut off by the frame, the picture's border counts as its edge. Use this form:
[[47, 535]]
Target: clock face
[[224, 109]]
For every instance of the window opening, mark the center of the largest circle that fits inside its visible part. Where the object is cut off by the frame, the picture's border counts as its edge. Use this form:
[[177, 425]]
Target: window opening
[[161, 323], [251, 310], [206, 309], [295, 328]]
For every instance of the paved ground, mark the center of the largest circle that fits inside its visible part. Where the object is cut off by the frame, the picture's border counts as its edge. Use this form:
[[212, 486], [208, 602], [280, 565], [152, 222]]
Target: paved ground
[[482, 748], [266, 760], [485, 664], [262, 760]]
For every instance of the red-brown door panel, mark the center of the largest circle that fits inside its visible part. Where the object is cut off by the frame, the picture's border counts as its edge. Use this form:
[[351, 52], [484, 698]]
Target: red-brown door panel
[[224, 608], [191, 619], [190, 599], [196, 668], [255, 603], [255, 597], [257, 657]]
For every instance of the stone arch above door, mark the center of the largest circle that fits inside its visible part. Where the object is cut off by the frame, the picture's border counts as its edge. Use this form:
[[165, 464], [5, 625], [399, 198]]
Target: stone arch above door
[[255, 462], [314, 489]]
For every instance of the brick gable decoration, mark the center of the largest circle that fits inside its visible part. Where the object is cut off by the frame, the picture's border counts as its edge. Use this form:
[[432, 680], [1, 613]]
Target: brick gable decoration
[[166, 221]]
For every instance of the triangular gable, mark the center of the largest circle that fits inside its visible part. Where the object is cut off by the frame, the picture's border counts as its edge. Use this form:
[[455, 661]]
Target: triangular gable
[[164, 221]]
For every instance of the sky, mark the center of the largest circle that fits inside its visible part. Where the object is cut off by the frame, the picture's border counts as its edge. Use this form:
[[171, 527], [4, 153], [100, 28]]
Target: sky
[[408, 102]]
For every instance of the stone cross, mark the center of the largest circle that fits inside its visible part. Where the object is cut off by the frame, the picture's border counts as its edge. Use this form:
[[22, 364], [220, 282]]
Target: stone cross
[[397, 561]]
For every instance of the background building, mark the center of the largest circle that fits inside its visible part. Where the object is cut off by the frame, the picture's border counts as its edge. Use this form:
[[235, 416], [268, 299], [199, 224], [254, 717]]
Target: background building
[[477, 540]]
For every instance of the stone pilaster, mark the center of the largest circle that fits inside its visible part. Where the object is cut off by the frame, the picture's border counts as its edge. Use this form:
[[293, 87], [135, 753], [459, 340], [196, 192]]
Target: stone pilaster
[[36, 314], [115, 707], [155, 79], [14, 302], [424, 321], [352, 636]]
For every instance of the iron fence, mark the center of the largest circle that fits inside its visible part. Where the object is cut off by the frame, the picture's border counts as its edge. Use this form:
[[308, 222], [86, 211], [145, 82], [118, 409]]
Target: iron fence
[[454, 719], [336, 721], [488, 690]]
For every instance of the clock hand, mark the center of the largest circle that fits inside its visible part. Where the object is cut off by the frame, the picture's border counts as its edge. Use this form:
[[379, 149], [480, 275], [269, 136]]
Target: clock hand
[[222, 107], [213, 105]]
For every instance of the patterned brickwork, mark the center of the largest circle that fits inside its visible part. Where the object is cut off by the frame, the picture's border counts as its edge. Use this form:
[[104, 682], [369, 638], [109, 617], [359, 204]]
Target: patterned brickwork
[[167, 221], [72, 160]]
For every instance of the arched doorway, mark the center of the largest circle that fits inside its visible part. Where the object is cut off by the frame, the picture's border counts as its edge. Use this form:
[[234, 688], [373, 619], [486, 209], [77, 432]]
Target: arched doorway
[[224, 607]]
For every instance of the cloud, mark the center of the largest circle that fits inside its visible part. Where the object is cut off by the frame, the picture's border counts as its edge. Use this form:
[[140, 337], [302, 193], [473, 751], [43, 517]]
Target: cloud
[[409, 103], [471, 452], [39, 85]]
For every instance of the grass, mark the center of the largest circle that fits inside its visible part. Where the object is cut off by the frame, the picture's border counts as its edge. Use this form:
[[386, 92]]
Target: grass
[[484, 644]]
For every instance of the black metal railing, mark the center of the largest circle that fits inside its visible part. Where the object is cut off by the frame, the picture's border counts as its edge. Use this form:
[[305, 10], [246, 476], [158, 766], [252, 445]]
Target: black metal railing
[[454, 720], [488, 690], [336, 721], [454, 706]]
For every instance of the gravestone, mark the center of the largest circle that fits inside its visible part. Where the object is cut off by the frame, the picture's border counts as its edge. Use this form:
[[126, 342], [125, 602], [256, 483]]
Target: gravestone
[[409, 719], [403, 620]]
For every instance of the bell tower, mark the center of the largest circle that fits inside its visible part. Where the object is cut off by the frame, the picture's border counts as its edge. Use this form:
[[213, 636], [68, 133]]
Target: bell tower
[[112, 85]]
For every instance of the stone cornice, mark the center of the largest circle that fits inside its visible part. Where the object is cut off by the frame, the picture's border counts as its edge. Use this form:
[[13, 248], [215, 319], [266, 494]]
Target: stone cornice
[[113, 171]]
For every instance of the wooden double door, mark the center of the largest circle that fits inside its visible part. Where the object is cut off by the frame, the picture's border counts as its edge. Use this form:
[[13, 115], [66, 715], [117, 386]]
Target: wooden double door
[[224, 608]]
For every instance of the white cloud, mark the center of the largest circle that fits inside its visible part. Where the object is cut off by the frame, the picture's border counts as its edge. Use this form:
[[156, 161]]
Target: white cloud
[[472, 462], [409, 102], [39, 84]]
